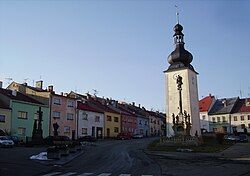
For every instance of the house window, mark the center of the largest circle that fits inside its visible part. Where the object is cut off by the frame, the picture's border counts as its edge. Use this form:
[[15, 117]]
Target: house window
[[116, 119], [84, 131], [97, 118], [243, 126], [21, 131], [70, 103], [213, 119], [249, 125], [151, 120], [116, 129], [146, 123], [203, 117], [248, 117], [109, 118], [140, 122], [84, 116], [70, 116], [242, 118], [2, 118], [56, 114], [57, 101], [218, 119], [36, 116], [235, 118], [224, 119], [22, 115], [66, 129]]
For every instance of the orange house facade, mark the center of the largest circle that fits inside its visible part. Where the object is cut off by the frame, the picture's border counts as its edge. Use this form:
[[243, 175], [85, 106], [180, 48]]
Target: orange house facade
[[63, 113]]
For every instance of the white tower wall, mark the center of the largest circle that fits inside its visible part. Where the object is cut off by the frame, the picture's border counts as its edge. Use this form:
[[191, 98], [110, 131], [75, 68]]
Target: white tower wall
[[190, 101]]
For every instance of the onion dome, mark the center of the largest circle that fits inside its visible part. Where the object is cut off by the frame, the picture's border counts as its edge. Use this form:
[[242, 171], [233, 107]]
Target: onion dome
[[179, 56]]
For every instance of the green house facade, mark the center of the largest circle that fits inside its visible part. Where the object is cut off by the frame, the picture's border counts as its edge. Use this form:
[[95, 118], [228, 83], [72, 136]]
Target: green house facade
[[24, 113], [23, 117]]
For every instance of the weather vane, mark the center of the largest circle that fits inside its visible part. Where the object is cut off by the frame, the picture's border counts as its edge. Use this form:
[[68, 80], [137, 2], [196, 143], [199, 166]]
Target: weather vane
[[177, 13]]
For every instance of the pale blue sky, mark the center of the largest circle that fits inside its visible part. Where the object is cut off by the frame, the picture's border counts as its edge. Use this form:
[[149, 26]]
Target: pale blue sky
[[120, 47]]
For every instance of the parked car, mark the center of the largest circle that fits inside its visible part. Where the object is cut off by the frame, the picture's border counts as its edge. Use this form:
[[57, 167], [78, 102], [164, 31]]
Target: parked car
[[231, 137], [15, 139], [87, 139], [124, 136], [6, 142], [138, 136], [243, 138]]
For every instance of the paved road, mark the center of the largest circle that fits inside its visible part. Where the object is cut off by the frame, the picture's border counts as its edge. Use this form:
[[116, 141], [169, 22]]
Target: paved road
[[121, 158], [114, 157]]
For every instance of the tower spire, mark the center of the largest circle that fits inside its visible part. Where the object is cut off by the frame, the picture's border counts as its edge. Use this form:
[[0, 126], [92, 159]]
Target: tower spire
[[177, 14]]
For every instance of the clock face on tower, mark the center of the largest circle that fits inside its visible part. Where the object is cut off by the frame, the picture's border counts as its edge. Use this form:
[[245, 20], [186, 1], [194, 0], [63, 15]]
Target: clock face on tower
[[175, 75]]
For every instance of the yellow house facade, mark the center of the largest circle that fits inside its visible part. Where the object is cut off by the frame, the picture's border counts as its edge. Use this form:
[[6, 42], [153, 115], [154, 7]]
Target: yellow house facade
[[112, 124]]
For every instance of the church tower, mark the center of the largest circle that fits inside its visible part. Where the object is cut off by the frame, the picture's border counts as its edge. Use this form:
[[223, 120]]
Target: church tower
[[181, 95]]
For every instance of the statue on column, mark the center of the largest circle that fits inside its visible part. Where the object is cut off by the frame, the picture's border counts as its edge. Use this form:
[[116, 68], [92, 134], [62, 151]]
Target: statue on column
[[179, 82], [37, 134]]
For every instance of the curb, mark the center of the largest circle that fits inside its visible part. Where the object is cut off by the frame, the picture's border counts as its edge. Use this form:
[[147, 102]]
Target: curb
[[63, 161]]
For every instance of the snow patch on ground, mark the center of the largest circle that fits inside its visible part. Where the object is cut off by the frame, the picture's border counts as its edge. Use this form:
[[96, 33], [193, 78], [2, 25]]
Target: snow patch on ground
[[40, 156]]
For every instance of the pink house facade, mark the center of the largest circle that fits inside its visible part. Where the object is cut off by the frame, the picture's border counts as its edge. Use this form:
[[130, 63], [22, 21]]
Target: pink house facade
[[63, 113]]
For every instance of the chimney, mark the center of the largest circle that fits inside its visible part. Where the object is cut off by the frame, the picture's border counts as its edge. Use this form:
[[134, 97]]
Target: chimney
[[247, 102], [13, 92], [210, 95], [61, 93], [1, 84], [224, 102], [50, 88], [133, 103], [25, 84], [139, 105], [39, 84]]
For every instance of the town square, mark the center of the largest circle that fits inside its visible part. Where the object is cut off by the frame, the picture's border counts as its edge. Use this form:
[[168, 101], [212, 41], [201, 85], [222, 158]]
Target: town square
[[124, 88]]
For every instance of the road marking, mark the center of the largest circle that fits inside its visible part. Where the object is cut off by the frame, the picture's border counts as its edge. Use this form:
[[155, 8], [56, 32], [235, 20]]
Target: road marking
[[125, 175], [51, 174], [104, 174], [86, 174], [68, 174]]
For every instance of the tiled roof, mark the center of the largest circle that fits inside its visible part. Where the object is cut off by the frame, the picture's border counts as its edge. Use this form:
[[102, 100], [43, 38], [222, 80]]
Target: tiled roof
[[223, 106], [19, 96], [137, 111], [35, 88], [63, 96], [86, 107], [4, 105], [96, 104], [243, 105], [205, 103]]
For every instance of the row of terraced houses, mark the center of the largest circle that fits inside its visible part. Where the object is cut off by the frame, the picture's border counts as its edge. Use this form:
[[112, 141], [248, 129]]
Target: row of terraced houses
[[225, 115], [75, 114]]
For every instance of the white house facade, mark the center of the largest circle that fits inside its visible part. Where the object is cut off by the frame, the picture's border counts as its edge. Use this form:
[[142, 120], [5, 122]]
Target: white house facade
[[90, 122]]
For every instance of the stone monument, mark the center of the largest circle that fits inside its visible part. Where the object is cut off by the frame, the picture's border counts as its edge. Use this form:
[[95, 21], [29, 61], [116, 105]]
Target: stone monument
[[37, 133]]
